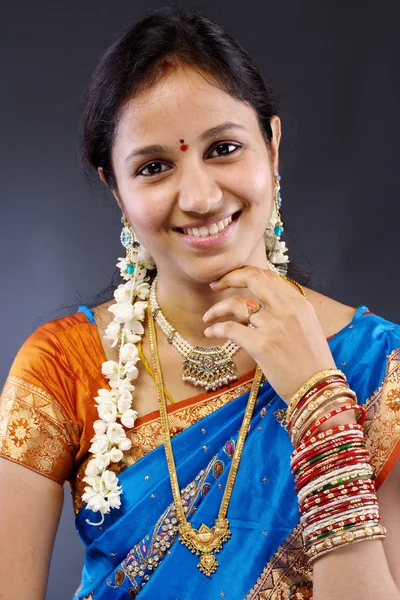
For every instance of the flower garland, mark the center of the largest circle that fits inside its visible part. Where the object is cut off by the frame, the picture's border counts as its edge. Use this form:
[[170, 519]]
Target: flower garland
[[114, 406]]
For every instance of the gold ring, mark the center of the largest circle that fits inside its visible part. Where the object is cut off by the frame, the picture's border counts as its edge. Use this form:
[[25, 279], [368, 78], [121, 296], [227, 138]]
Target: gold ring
[[251, 309]]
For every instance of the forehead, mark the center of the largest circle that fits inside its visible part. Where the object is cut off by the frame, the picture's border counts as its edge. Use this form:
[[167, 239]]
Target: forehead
[[181, 104]]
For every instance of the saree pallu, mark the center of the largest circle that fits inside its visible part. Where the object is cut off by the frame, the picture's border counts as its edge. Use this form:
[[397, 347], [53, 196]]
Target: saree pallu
[[136, 552]]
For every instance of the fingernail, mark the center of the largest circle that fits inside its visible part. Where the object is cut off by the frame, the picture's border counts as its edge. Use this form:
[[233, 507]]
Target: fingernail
[[205, 316], [214, 284], [207, 331]]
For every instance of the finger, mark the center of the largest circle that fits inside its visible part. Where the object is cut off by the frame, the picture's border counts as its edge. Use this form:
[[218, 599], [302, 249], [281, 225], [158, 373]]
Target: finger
[[264, 284], [235, 332], [236, 306]]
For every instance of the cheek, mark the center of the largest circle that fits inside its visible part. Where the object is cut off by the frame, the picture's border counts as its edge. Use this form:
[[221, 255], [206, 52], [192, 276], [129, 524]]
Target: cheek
[[146, 213]]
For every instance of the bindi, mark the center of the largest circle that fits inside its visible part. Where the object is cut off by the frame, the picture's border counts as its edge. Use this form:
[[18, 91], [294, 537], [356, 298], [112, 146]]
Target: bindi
[[184, 146]]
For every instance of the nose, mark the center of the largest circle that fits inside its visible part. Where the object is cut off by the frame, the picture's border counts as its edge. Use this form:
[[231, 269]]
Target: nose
[[198, 191]]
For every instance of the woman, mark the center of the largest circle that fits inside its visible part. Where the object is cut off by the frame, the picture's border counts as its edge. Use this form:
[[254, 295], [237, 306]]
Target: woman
[[212, 421]]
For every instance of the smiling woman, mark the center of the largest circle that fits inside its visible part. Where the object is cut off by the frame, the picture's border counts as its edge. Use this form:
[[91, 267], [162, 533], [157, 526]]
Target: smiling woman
[[225, 430]]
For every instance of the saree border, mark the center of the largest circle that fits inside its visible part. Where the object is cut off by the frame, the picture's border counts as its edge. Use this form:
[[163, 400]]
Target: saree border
[[287, 575], [146, 435]]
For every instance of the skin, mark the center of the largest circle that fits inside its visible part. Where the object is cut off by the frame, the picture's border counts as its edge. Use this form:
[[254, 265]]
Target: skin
[[290, 330]]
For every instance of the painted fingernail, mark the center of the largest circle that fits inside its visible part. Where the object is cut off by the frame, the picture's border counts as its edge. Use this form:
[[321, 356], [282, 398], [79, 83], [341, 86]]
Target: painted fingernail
[[251, 304]]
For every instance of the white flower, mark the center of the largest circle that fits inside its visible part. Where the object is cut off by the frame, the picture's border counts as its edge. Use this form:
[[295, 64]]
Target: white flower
[[99, 426], [123, 293], [129, 352], [130, 370], [95, 501], [100, 443], [109, 481], [108, 411], [124, 404], [115, 455], [103, 394], [109, 368], [136, 327], [138, 309], [115, 433], [125, 445], [142, 290], [112, 333], [123, 312], [131, 338], [128, 418]]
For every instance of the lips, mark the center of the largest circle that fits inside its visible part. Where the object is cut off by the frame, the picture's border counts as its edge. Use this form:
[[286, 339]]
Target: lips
[[208, 229], [211, 240]]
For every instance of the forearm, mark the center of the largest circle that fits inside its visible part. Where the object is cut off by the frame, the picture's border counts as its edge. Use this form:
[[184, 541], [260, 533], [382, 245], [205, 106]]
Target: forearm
[[356, 572]]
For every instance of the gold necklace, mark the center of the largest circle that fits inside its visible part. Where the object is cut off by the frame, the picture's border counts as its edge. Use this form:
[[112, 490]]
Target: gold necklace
[[204, 541], [299, 287]]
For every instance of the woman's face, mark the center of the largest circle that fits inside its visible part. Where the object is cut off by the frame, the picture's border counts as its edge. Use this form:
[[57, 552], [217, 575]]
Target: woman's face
[[189, 159]]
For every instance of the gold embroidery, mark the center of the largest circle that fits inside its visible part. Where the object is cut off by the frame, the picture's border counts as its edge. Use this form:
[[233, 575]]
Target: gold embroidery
[[35, 430], [288, 566], [148, 436]]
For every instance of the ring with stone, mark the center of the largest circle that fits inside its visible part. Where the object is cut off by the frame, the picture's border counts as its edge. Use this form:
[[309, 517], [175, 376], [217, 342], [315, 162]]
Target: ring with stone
[[251, 309]]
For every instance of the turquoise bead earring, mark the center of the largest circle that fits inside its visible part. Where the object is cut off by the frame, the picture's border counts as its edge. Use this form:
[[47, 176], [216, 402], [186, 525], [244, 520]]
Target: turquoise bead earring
[[278, 229], [130, 243]]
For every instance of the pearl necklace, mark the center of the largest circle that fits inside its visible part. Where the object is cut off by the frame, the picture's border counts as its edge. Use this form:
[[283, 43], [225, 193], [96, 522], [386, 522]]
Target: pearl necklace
[[208, 367]]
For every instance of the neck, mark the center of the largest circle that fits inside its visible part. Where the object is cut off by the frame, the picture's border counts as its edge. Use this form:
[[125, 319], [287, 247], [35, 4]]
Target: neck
[[184, 301]]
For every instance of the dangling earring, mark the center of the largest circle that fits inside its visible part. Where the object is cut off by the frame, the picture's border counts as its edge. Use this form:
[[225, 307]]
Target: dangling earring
[[131, 245], [276, 249], [278, 229]]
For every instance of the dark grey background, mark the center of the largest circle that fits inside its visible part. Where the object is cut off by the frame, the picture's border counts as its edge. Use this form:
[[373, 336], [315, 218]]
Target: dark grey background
[[335, 65]]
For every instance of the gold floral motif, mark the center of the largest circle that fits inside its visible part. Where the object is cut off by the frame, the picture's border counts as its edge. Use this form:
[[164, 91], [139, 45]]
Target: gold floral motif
[[19, 431], [287, 573], [393, 399], [35, 430], [148, 435]]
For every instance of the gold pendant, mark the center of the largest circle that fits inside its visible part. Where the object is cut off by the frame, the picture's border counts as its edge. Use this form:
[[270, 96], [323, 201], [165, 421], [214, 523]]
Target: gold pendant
[[210, 368], [205, 541]]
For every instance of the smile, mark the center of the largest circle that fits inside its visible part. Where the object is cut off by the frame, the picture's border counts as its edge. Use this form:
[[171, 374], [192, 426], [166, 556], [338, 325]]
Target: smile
[[209, 236]]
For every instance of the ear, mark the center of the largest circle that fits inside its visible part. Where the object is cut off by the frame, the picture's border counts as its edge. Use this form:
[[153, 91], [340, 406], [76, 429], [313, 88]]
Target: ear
[[275, 123], [103, 178]]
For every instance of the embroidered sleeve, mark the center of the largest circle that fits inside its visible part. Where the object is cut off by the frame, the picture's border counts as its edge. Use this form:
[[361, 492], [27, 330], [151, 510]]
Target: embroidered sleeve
[[382, 428], [38, 426]]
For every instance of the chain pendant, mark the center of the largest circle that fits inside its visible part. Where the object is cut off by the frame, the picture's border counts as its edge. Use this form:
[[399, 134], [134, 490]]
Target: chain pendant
[[204, 541], [210, 368]]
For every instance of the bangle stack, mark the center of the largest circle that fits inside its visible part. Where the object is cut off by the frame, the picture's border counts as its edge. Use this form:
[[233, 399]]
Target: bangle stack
[[332, 470]]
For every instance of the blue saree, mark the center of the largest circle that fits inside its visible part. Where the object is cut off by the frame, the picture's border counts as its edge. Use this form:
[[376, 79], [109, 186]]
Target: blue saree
[[136, 553]]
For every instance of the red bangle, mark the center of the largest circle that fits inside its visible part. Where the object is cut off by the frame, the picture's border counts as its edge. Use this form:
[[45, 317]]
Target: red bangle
[[336, 458], [330, 450], [322, 435], [345, 462], [322, 499], [328, 416], [325, 446]]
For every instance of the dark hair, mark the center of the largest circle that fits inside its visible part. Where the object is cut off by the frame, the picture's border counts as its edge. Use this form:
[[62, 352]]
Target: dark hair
[[139, 57]]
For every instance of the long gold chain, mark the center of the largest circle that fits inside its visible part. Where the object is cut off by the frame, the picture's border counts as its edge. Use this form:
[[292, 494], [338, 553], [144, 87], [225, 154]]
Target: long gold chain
[[204, 541]]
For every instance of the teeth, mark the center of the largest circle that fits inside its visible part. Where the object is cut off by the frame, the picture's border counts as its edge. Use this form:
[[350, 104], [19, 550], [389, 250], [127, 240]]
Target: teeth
[[211, 230]]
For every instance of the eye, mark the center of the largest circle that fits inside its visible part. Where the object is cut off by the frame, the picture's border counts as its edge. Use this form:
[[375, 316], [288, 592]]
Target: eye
[[153, 169], [223, 149]]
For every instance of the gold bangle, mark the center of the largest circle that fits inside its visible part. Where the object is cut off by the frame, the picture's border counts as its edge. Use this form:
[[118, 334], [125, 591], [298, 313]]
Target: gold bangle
[[297, 435], [328, 393], [308, 385]]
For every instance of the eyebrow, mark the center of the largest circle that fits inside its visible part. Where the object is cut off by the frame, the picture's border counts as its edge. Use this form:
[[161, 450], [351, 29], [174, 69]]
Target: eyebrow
[[158, 149]]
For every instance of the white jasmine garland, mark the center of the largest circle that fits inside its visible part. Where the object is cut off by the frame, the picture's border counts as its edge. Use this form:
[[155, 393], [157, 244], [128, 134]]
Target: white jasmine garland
[[114, 405]]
